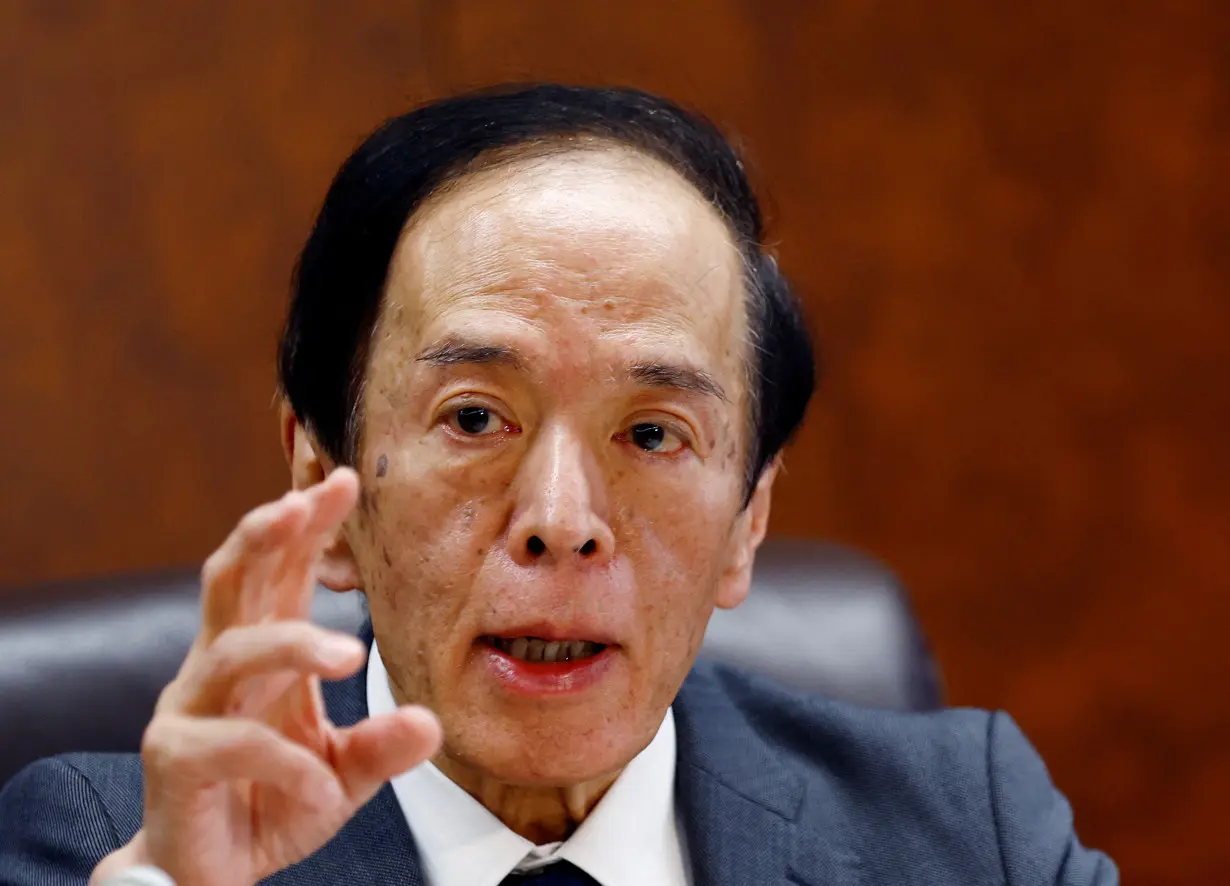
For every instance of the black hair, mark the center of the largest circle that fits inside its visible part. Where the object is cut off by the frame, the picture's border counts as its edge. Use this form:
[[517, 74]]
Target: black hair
[[339, 282]]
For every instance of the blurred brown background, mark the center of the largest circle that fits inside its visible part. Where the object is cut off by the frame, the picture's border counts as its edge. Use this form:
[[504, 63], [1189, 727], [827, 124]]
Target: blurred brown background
[[1011, 224]]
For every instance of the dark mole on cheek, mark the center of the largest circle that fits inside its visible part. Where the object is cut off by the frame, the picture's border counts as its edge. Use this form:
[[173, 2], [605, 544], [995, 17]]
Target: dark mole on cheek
[[382, 466]]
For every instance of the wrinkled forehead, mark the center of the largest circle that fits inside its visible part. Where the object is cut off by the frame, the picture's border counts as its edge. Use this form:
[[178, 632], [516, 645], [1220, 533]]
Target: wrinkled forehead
[[603, 242]]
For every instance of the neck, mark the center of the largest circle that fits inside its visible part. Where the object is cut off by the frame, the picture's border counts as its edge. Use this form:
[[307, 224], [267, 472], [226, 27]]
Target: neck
[[539, 814]]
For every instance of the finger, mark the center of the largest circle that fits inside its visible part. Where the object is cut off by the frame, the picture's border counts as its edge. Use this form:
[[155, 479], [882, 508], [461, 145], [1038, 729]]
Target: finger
[[332, 499], [367, 755], [186, 753], [211, 684], [255, 540], [289, 594]]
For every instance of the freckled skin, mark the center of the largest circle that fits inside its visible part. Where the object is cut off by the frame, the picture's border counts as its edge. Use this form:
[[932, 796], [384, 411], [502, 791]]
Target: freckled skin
[[585, 263]]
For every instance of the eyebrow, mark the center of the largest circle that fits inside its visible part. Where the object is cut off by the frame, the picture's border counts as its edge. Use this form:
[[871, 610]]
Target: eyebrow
[[455, 352], [679, 378], [654, 374]]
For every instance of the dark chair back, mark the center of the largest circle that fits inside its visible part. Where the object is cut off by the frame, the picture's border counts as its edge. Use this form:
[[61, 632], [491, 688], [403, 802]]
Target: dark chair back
[[82, 665]]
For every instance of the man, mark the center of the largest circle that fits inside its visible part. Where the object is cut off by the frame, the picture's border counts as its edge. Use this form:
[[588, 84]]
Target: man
[[537, 374]]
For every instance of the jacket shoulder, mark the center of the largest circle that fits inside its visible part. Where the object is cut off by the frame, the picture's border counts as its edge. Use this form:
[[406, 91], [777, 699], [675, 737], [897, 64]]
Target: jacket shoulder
[[60, 816], [956, 795], [849, 740]]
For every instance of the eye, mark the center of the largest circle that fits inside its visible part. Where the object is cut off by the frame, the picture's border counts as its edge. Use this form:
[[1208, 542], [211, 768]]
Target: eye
[[654, 438], [475, 421]]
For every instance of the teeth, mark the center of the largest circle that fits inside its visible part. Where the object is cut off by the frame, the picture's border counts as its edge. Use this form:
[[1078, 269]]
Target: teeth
[[549, 651]]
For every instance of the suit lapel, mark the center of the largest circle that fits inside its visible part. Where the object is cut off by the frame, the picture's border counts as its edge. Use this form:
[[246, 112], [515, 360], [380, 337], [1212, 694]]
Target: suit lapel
[[742, 804], [375, 847]]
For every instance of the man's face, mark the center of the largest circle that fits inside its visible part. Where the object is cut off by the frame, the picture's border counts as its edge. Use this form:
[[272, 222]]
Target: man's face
[[553, 447]]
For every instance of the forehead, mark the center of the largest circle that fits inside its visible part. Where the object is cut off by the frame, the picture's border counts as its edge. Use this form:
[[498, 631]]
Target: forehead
[[596, 246]]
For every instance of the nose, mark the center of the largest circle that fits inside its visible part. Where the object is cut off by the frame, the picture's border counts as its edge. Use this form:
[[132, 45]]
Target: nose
[[561, 505]]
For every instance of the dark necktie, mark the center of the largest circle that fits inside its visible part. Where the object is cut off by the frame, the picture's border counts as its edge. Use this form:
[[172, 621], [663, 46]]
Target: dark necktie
[[559, 873]]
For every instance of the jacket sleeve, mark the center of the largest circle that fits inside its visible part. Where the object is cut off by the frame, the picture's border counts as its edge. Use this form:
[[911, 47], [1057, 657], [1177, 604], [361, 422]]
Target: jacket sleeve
[[1037, 840], [53, 827]]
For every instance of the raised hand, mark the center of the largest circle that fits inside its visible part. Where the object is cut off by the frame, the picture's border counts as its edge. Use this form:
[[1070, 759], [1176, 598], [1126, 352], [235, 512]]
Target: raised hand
[[244, 773]]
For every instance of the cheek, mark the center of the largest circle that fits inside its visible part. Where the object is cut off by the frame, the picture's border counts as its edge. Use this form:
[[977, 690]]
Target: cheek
[[689, 502], [676, 529], [426, 528]]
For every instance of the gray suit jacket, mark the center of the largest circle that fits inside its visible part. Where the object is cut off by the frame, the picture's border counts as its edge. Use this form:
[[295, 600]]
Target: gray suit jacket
[[773, 786]]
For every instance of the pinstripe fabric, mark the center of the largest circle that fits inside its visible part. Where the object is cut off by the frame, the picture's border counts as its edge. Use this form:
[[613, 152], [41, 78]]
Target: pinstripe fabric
[[773, 787], [52, 791]]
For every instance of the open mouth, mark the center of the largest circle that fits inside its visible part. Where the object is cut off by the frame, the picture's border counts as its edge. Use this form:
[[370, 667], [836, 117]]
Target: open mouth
[[537, 650]]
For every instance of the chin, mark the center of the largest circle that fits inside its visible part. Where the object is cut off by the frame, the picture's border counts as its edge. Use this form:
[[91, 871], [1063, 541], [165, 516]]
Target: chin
[[559, 752]]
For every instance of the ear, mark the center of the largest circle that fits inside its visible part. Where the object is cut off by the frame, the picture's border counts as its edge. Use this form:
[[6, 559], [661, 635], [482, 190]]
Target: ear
[[337, 569], [749, 531]]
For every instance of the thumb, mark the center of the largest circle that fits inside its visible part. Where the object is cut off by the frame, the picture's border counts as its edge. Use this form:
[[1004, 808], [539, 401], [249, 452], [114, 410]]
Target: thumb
[[368, 754]]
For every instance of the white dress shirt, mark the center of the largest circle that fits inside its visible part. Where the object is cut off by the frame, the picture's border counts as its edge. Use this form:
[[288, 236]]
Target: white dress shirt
[[630, 838]]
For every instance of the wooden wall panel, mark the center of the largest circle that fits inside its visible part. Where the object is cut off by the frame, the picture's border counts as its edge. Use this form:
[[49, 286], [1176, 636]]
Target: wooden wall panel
[[1011, 225]]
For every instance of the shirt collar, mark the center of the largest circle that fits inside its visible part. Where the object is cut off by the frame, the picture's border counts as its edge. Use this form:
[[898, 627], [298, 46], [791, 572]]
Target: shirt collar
[[630, 838]]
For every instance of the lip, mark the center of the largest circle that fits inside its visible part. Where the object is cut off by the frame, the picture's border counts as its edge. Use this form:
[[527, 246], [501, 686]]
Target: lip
[[547, 631], [545, 679]]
